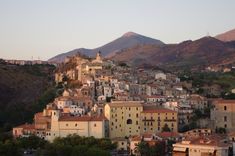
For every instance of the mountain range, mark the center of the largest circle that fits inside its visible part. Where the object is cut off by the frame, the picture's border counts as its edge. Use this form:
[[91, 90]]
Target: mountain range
[[128, 40], [138, 50], [197, 54]]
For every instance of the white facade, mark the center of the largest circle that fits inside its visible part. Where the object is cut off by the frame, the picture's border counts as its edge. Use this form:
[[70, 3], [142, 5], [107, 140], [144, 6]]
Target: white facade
[[76, 110], [83, 126], [107, 91], [62, 103], [160, 76]]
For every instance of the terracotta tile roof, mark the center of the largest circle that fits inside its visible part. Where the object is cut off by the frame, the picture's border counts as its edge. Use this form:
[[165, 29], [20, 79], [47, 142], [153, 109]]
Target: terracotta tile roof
[[39, 114], [168, 134], [26, 126], [125, 104], [147, 135], [225, 101], [136, 138], [157, 110], [83, 118], [211, 140]]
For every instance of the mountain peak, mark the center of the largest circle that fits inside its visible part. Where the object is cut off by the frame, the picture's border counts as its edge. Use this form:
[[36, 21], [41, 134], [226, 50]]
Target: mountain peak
[[129, 34]]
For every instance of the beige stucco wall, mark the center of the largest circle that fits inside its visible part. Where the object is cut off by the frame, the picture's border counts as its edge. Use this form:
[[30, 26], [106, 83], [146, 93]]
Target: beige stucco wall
[[154, 125], [218, 115], [118, 117]]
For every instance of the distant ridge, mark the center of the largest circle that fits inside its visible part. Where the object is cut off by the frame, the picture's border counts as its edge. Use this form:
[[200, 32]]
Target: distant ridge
[[197, 54], [127, 40], [227, 36]]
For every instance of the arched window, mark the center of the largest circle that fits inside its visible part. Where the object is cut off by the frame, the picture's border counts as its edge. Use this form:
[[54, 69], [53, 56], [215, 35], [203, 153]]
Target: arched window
[[129, 121]]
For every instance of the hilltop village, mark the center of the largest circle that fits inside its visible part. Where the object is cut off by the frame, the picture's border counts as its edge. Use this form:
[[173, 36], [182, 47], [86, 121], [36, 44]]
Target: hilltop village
[[131, 106]]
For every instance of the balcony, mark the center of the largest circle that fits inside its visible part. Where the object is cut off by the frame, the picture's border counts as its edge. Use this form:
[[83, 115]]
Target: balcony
[[148, 120], [169, 120]]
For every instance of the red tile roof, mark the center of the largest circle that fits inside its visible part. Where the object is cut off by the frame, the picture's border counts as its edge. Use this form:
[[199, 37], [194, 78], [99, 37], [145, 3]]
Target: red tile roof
[[168, 134], [136, 138], [225, 101], [26, 126]]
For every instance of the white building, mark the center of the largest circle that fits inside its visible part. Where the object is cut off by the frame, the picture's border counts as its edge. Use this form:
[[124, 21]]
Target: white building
[[64, 125], [62, 102], [107, 91], [160, 76]]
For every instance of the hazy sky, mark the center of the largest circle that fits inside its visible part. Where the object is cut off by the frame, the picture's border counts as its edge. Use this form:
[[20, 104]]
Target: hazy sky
[[44, 28]]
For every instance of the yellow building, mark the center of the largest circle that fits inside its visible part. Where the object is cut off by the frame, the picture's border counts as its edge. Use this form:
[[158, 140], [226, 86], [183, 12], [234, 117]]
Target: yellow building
[[124, 118], [154, 119], [223, 114], [64, 125], [129, 118]]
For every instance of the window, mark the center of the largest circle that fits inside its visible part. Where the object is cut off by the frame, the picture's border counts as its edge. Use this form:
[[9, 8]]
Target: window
[[137, 115], [76, 125], [67, 125], [225, 118], [129, 115], [136, 108], [225, 108], [136, 122], [129, 121], [225, 125], [94, 125]]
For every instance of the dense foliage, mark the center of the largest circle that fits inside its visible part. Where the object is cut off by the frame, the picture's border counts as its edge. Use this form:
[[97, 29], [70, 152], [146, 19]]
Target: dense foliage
[[72, 145], [145, 149], [225, 80], [24, 90]]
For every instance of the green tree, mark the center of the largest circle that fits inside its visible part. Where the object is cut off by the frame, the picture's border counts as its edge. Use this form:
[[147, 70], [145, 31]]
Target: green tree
[[142, 148], [97, 152], [31, 142]]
